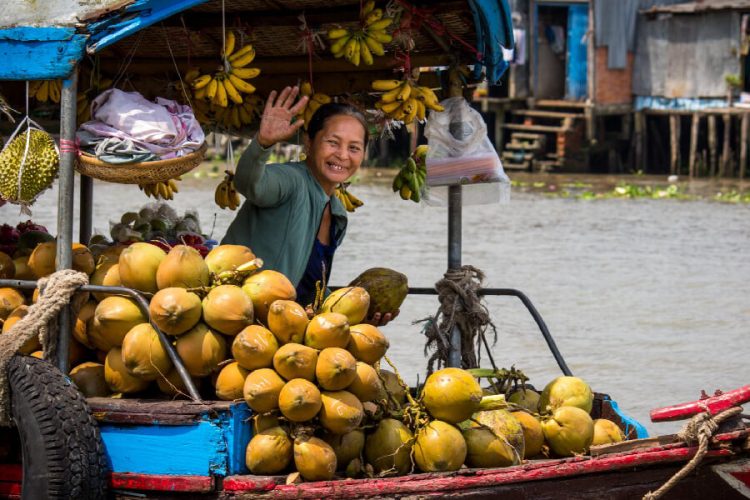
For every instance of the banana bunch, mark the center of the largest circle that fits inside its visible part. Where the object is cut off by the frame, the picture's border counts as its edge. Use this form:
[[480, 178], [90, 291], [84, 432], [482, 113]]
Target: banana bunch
[[316, 100], [410, 181], [350, 202], [226, 195], [363, 44], [161, 190], [230, 82], [46, 90], [405, 101]]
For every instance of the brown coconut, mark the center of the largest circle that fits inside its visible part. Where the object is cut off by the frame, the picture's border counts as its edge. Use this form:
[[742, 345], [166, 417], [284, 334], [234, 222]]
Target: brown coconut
[[295, 361], [254, 347], [227, 309], [299, 400], [89, 378], [230, 382], [367, 343], [266, 287], [118, 378], [351, 301], [19, 312], [341, 411], [395, 393], [347, 447], [175, 310], [10, 298], [439, 447], [80, 329], [143, 354], [389, 447], [42, 260], [201, 350], [138, 265], [269, 452], [23, 271], [107, 273], [336, 369], [261, 390], [288, 321], [314, 459], [182, 267], [327, 330], [228, 257], [366, 384], [113, 318], [7, 267]]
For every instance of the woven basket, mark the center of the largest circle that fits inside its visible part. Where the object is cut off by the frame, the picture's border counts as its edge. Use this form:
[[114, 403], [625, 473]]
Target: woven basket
[[147, 172]]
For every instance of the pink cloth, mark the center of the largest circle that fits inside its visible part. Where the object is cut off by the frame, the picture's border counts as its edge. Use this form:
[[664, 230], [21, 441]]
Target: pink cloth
[[165, 127]]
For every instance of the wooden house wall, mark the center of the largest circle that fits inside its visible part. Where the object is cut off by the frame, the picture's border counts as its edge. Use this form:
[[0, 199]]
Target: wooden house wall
[[54, 12]]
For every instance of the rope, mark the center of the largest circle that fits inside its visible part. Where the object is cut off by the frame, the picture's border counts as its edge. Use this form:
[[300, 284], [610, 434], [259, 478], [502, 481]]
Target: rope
[[39, 322], [699, 429], [460, 306]]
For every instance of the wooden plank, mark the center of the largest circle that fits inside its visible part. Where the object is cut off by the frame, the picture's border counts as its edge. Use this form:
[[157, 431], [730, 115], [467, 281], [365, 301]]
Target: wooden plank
[[545, 114], [637, 445], [140, 411], [55, 52], [640, 141], [712, 144], [743, 144], [674, 144], [534, 128], [161, 482], [694, 129], [557, 103], [714, 404], [726, 150]]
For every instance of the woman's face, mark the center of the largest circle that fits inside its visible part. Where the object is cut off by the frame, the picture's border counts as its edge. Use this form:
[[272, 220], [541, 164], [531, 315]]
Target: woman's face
[[337, 151]]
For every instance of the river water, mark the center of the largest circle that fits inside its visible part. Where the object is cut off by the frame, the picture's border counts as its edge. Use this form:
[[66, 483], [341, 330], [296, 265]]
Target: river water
[[648, 300]]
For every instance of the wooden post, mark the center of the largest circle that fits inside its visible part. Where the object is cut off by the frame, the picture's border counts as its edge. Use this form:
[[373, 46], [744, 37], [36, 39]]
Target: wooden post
[[726, 150], [674, 144], [743, 144], [712, 144], [694, 126], [640, 135]]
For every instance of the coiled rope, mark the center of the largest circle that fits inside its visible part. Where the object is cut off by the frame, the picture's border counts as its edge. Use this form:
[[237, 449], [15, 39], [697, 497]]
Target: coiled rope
[[699, 429], [40, 321]]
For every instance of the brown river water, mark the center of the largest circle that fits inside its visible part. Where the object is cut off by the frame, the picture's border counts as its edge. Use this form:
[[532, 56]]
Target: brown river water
[[648, 300]]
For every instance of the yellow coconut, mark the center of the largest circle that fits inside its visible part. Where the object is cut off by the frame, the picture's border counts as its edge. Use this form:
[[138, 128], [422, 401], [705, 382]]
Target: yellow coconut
[[494, 439], [388, 449], [569, 431], [23, 271], [138, 265], [351, 301], [227, 309], [261, 390], [42, 259], [254, 347], [299, 400], [327, 330], [341, 411], [296, 361], [175, 310], [395, 393], [230, 382], [606, 432], [143, 354], [110, 254], [201, 350], [566, 391], [172, 384], [439, 447], [265, 421], [266, 287], [118, 378], [347, 446], [533, 437], [113, 318], [89, 378], [288, 321], [10, 298], [314, 459], [83, 260], [182, 267], [451, 394], [366, 385], [526, 399], [82, 320], [269, 452], [106, 274], [7, 267], [19, 312], [367, 343], [336, 369], [227, 257]]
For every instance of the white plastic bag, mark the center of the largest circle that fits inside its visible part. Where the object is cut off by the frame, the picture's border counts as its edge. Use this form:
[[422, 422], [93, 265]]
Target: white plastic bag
[[461, 153]]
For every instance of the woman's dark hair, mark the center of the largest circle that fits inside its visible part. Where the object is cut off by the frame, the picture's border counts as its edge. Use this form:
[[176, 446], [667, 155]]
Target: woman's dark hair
[[326, 111]]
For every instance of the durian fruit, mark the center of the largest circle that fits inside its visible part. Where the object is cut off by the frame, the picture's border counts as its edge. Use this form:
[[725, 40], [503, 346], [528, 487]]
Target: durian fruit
[[39, 168]]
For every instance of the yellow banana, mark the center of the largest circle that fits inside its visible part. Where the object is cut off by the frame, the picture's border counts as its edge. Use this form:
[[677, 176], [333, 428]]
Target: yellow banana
[[354, 200], [221, 98], [405, 192], [367, 7], [375, 15], [321, 98], [410, 110], [212, 89], [305, 89], [379, 35], [390, 107], [245, 116], [232, 196], [201, 81], [405, 92], [244, 60], [374, 46], [191, 75], [380, 24], [365, 54], [245, 73], [385, 84], [55, 87], [242, 52], [232, 92], [228, 44], [43, 93], [313, 105], [337, 33], [337, 47], [421, 111], [235, 118], [392, 95], [241, 84], [350, 48], [173, 185], [221, 195]]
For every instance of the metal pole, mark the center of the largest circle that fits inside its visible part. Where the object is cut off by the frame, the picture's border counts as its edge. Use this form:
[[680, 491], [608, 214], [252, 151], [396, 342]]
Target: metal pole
[[86, 209], [65, 206], [454, 261]]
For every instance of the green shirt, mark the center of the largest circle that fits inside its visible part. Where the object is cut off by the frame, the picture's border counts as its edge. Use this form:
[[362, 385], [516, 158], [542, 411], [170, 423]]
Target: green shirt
[[279, 221]]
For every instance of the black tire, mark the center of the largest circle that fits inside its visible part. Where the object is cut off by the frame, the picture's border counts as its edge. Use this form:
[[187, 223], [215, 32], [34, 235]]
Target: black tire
[[63, 454]]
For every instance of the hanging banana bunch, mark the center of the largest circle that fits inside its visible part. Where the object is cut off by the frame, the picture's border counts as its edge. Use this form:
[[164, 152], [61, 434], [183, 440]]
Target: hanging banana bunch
[[46, 90], [404, 100], [350, 202], [410, 180], [363, 44], [161, 190], [229, 83], [316, 100], [226, 195]]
